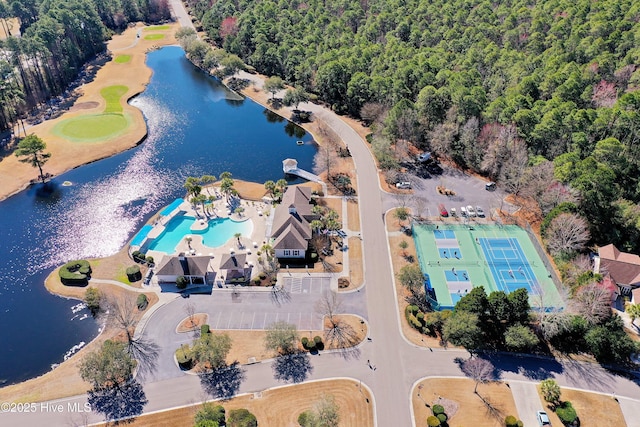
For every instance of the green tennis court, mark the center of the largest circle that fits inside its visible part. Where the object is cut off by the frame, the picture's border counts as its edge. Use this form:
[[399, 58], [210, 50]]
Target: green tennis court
[[455, 258]]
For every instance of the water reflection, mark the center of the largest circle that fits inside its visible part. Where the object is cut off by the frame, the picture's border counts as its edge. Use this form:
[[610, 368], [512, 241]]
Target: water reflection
[[192, 131]]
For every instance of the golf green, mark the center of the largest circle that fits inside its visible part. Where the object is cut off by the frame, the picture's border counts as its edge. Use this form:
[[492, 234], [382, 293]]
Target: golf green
[[122, 59], [93, 127], [154, 37], [157, 28]]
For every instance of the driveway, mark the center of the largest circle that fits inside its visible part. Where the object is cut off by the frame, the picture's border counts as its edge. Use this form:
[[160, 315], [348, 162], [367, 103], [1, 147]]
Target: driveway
[[525, 395]]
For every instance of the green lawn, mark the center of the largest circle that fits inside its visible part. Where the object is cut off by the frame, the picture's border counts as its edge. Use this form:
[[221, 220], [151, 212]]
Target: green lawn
[[112, 95], [122, 59], [93, 127], [154, 37], [157, 28]]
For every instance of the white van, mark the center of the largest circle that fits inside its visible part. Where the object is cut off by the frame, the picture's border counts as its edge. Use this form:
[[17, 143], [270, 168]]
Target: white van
[[463, 211], [452, 212]]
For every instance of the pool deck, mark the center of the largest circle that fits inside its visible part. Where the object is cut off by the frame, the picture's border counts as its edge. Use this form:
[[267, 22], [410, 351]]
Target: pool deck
[[257, 212]]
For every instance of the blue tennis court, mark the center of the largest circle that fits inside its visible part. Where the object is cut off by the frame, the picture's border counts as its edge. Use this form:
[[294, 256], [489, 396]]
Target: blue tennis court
[[452, 252], [508, 264], [444, 234]]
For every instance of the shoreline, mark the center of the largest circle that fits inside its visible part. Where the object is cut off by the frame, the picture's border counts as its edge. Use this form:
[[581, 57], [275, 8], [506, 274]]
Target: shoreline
[[68, 155]]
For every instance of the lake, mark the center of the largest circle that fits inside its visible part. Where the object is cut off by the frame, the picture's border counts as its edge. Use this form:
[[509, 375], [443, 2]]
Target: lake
[[194, 129]]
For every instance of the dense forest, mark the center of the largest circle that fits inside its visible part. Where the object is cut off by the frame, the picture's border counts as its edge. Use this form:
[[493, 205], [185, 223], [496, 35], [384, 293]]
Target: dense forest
[[55, 40], [540, 96]]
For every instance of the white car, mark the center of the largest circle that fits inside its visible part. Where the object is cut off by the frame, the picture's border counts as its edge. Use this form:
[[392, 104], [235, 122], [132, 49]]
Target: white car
[[405, 185], [479, 212], [471, 211], [543, 418], [452, 212], [463, 211]]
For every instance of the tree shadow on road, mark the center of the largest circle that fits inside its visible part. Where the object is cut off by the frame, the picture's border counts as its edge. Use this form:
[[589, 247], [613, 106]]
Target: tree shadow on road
[[224, 382], [295, 367], [279, 295], [118, 402], [531, 367]]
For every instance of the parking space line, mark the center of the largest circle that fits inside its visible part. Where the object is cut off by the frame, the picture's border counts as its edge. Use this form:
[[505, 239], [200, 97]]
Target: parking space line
[[253, 319], [264, 322], [218, 320], [241, 320]]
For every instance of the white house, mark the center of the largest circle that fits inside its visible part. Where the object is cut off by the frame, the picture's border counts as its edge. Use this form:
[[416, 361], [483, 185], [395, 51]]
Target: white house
[[291, 229]]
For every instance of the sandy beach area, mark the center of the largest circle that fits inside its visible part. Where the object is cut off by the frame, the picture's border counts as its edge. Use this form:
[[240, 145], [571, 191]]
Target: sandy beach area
[[65, 154]]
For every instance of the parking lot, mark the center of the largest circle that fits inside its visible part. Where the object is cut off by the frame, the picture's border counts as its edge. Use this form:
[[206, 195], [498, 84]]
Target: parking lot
[[469, 191]]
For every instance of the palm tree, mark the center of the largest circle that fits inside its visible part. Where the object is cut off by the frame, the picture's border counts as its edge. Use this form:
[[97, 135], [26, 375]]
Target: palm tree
[[188, 239], [237, 236], [192, 184], [206, 180], [316, 225], [270, 186], [281, 185]]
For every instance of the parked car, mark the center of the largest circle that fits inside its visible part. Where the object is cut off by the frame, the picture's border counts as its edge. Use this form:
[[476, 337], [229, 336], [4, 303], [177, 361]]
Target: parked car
[[405, 185], [342, 234], [490, 186], [424, 157], [463, 211], [452, 211], [479, 212], [471, 211], [543, 418], [443, 210]]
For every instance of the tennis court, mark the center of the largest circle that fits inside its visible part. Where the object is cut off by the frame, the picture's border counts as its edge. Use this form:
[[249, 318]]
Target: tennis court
[[455, 258]]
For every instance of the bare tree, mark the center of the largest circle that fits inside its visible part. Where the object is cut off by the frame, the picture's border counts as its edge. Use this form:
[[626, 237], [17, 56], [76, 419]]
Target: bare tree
[[469, 138], [123, 315], [337, 333], [497, 142], [536, 180], [480, 370], [567, 233], [419, 206], [373, 113], [555, 194], [443, 134], [326, 158], [511, 175], [593, 302], [190, 310]]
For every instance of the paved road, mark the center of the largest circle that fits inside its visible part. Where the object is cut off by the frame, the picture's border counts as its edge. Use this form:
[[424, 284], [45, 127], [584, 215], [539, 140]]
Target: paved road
[[399, 364]]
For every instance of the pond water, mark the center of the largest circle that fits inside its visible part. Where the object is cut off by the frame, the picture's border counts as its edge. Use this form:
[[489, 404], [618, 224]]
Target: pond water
[[194, 129]]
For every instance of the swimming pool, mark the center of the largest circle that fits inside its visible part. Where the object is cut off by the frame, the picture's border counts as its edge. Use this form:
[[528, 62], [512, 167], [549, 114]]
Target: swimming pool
[[218, 232]]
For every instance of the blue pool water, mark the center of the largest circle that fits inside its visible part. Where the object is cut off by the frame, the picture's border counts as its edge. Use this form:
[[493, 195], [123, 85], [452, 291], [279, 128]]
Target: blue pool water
[[142, 234], [218, 232], [166, 211]]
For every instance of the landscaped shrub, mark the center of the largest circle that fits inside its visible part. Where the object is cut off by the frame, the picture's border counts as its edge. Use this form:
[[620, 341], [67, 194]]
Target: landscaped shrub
[[241, 418], [304, 341], [204, 329], [433, 421], [142, 302], [262, 276], [139, 256], [510, 421], [566, 413], [150, 260], [133, 273], [437, 409], [442, 418], [318, 342], [184, 356], [181, 282], [75, 272]]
